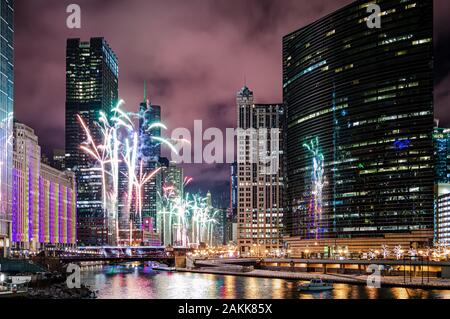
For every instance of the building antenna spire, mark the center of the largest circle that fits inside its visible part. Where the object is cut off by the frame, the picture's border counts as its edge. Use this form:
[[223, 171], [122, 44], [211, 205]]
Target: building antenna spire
[[145, 91]]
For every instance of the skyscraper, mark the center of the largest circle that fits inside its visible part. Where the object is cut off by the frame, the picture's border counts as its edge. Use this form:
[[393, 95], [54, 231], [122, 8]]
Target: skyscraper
[[260, 211], [149, 114], [359, 107], [149, 153], [91, 87], [6, 120]]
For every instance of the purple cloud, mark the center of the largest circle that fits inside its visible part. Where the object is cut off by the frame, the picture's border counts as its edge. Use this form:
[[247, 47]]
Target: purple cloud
[[195, 55]]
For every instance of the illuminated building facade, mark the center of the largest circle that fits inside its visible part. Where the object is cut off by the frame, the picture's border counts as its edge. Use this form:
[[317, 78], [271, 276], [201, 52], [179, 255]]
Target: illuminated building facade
[[26, 174], [230, 227], [6, 121], [91, 87], [441, 139], [58, 197], [233, 190], [149, 154], [44, 198], [365, 97], [443, 220], [171, 177], [441, 142], [260, 192]]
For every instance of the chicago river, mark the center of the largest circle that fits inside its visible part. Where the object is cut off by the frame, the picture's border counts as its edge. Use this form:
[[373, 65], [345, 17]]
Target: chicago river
[[133, 281]]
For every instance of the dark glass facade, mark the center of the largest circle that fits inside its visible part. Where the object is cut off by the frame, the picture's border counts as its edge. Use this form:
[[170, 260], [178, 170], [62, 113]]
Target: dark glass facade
[[149, 148], [360, 122], [149, 154], [6, 119], [91, 87]]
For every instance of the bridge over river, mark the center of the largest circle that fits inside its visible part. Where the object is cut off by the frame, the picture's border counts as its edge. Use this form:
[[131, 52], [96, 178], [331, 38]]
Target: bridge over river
[[57, 259]]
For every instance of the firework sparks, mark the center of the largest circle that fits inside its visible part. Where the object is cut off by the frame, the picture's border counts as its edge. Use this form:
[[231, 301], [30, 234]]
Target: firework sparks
[[317, 184], [192, 217], [119, 144]]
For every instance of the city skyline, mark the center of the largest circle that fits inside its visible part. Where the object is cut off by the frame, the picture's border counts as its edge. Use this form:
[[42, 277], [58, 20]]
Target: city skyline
[[325, 125], [174, 51]]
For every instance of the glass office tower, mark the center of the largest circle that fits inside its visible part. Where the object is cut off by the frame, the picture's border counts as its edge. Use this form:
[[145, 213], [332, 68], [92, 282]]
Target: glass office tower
[[6, 120], [360, 123], [91, 87], [149, 154]]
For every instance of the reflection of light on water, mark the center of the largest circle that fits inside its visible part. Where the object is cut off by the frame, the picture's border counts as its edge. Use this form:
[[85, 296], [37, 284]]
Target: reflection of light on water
[[406, 293], [277, 289], [178, 286], [100, 281], [441, 294], [315, 295], [251, 287], [277, 284], [306, 296], [372, 293], [400, 293], [116, 283], [341, 291], [229, 287]]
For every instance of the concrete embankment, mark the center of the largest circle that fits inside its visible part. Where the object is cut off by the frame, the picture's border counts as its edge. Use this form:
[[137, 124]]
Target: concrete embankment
[[387, 281]]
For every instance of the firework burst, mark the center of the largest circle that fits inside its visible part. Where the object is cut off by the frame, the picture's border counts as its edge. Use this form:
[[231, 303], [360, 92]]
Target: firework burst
[[119, 144]]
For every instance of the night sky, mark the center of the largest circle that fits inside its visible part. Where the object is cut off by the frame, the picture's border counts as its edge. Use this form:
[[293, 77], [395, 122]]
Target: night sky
[[196, 54]]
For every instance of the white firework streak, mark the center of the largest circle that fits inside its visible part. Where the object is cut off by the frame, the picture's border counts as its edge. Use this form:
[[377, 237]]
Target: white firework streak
[[113, 151]]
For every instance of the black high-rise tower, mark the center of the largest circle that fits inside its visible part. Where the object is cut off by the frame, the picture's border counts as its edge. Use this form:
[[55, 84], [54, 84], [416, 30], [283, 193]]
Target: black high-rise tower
[[91, 87], [360, 123]]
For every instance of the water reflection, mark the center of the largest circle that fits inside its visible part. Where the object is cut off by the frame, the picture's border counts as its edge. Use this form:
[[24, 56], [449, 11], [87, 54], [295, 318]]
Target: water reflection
[[141, 282]]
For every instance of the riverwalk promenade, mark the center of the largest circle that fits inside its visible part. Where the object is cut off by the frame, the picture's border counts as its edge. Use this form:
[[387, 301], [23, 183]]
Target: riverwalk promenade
[[386, 281]]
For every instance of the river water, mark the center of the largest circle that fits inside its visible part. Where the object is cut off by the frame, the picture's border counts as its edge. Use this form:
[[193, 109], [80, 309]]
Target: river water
[[140, 282]]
